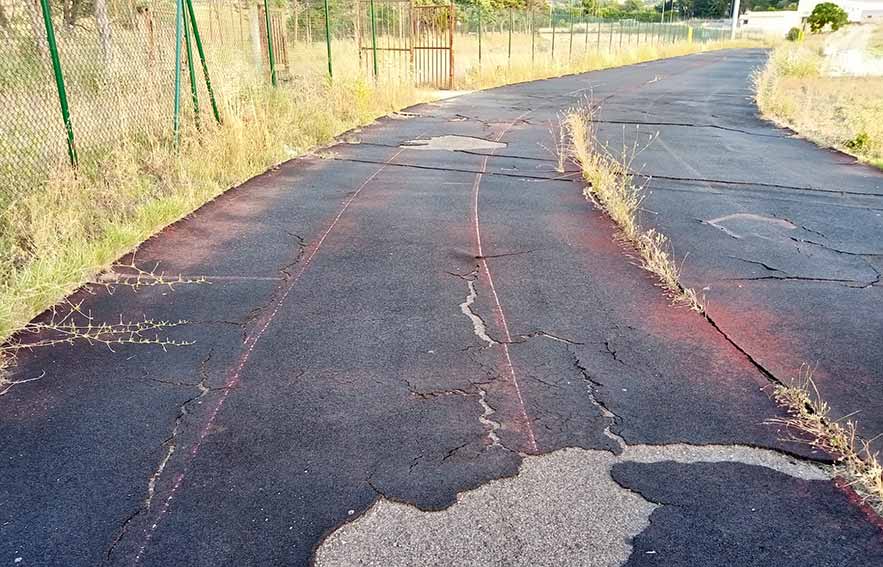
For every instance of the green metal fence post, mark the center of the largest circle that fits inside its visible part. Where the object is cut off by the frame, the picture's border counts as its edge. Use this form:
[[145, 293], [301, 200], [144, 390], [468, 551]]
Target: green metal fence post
[[510, 36], [179, 22], [598, 46], [479, 35], [570, 52], [194, 94], [201, 51], [373, 38], [328, 40], [270, 44], [552, 23], [59, 81], [620, 35], [533, 37]]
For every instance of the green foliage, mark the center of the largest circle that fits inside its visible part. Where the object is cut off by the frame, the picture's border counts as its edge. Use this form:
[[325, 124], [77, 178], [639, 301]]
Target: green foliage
[[773, 5], [793, 34], [827, 13], [697, 8], [861, 142]]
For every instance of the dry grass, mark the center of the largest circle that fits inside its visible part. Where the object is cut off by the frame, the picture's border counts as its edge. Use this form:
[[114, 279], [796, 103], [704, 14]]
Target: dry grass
[[59, 234], [67, 228], [810, 416], [841, 112], [612, 188], [497, 70]]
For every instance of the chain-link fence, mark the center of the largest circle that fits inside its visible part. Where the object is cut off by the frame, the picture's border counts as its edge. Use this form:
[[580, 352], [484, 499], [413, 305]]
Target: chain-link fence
[[81, 78]]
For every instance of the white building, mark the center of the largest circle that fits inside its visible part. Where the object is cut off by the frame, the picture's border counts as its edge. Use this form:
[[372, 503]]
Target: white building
[[770, 23], [857, 10]]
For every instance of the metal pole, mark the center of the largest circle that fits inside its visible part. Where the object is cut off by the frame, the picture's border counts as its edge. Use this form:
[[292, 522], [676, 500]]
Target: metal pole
[[570, 52], [510, 36], [735, 19], [373, 38], [270, 44], [451, 24], [586, 22], [598, 47], [620, 35], [194, 94], [328, 40], [533, 42], [59, 81], [201, 51], [552, 23], [661, 23], [479, 35], [179, 19]]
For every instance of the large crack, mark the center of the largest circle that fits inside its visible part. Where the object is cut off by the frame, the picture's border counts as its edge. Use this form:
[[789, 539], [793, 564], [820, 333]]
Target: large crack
[[713, 181], [456, 170], [479, 327], [690, 125], [591, 387], [171, 445]]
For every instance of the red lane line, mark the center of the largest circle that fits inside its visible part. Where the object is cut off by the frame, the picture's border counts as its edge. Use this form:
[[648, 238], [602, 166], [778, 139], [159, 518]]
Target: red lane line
[[507, 337], [234, 377]]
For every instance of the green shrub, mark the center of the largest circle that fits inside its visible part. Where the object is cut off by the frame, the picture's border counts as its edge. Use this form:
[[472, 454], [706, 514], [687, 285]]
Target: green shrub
[[793, 34], [827, 13], [861, 142]]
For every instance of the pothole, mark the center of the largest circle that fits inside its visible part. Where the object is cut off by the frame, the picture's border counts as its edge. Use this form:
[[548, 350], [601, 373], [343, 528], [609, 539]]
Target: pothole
[[452, 144], [563, 508]]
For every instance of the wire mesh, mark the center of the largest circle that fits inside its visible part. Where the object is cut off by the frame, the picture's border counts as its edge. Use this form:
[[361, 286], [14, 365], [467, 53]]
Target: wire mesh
[[118, 60]]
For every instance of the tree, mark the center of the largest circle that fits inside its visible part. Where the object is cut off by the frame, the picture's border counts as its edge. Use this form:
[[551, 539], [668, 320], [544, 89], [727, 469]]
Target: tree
[[827, 13]]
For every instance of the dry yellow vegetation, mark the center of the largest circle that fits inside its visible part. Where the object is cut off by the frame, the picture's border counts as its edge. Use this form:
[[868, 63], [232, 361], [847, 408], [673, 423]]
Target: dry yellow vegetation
[[842, 112], [610, 185], [62, 232]]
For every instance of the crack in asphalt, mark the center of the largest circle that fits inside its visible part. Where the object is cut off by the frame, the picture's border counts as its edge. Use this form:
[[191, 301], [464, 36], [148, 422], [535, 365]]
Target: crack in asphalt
[[491, 425], [765, 196], [479, 327], [171, 444], [712, 181], [454, 169], [505, 254], [612, 419], [860, 284], [545, 335], [832, 249], [690, 125], [761, 264]]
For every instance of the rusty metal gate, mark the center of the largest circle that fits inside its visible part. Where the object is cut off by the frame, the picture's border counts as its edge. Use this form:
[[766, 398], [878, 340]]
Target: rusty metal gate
[[384, 38], [401, 40], [432, 38], [280, 41]]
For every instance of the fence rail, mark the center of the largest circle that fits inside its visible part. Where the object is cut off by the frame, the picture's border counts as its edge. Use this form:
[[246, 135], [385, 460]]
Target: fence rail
[[82, 78]]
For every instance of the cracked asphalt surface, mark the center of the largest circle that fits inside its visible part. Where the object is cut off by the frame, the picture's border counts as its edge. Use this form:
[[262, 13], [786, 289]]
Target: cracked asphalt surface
[[390, 331]]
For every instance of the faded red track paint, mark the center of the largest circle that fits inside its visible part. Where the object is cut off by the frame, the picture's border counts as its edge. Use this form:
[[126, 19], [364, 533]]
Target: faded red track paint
[[234, 377], [501, 317]]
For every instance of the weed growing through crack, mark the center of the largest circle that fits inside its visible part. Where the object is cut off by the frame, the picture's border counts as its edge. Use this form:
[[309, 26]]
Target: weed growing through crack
[[69, 323], [811, 416], [610, 185]]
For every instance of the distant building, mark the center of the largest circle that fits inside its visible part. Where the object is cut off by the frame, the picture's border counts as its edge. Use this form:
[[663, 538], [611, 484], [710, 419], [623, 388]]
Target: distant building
[[857, 10], [770, 23], [779, 22]]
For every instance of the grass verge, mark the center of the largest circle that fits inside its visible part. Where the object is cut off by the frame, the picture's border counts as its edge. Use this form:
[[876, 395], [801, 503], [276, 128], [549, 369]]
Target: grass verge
[[809, 415], [611, 186], [842, 112], [66, 229]]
